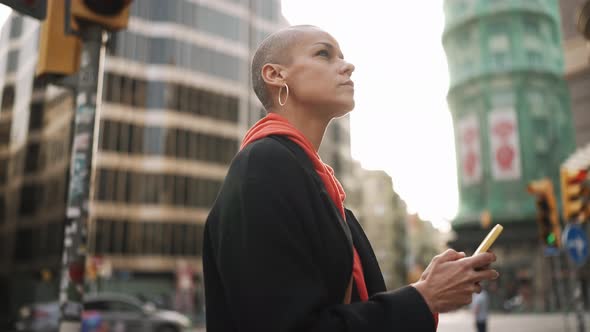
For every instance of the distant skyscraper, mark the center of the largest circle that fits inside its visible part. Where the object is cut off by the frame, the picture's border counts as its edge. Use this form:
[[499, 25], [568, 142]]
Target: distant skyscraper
[[176, 101]]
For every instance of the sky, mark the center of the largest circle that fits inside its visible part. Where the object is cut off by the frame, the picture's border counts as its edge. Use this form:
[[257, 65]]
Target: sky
[[4, 12], [401, 123]]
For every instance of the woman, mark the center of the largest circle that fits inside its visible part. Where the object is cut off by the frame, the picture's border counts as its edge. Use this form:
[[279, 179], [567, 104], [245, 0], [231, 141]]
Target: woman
[[281, 253]]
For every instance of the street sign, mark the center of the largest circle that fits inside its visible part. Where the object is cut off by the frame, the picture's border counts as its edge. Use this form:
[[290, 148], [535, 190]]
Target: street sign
[[576, 243], [33, 8], [551, 251]]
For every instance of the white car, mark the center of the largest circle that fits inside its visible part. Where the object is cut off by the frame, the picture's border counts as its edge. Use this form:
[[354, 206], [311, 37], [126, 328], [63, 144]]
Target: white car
[[109, 311]]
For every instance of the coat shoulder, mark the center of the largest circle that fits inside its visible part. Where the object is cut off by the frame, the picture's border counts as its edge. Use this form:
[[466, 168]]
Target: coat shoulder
[[268, 158]]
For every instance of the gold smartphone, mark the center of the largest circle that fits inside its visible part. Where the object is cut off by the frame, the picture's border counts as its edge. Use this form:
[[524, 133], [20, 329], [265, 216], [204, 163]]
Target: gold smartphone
[[489, 239]]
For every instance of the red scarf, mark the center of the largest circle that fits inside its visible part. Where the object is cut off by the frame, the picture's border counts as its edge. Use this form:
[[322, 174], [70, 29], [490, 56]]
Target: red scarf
[[274, 124]]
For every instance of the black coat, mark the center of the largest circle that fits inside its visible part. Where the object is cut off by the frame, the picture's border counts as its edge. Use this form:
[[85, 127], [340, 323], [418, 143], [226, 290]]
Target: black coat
[[277, 254]]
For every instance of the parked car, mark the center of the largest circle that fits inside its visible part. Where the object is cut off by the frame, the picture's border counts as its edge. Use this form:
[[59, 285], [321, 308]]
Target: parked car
[[105, 312]]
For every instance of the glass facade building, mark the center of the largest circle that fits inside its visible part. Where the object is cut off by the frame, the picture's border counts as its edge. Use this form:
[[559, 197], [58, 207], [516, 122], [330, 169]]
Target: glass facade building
[[176, 102]]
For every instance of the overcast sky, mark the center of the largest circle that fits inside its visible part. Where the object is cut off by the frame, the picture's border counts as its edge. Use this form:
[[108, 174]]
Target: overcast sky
[[401, 123]]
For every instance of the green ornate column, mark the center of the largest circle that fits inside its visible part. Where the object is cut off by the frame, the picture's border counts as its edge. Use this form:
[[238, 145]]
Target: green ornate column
[[509, 102]]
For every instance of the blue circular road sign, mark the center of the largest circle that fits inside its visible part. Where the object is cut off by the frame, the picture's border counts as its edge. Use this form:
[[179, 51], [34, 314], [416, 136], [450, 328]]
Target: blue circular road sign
[[576, 243]]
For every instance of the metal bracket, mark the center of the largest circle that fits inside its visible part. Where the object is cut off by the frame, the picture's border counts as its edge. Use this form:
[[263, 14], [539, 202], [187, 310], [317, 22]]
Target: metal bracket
[[67, 21]]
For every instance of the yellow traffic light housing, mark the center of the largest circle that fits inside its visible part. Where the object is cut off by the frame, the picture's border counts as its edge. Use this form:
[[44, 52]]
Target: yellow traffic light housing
[[59, 54], [573, 192], [547, 214], [110, 14]]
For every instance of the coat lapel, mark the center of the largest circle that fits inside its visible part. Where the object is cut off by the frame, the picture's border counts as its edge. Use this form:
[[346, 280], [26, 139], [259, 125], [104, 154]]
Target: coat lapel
[[308, 166]]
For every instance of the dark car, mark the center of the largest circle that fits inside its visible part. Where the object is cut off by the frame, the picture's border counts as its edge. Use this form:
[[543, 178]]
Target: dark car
[[105, 311]]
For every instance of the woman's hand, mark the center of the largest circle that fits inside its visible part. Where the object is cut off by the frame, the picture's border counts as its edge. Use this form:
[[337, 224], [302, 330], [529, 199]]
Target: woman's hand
[[450, 279]]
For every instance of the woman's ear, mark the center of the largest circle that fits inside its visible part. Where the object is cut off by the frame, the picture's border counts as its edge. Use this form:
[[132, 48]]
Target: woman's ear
[[273, 75]]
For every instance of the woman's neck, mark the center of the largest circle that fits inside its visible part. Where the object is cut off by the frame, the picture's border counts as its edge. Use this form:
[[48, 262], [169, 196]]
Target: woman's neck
[[313, 128]]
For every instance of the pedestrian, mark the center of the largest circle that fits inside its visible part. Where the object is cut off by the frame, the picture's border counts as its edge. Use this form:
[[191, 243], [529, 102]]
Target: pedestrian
[[280, 250], [185, 288], [481, 305]]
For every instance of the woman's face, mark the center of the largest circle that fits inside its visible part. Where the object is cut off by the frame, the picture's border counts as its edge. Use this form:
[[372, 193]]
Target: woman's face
[[318, 76]]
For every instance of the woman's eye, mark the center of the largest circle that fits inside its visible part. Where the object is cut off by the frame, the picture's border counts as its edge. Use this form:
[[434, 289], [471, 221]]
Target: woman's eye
[[323, 53]]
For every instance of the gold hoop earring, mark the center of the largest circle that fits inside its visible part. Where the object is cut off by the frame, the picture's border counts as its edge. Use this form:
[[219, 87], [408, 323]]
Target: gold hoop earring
[[281, 90]]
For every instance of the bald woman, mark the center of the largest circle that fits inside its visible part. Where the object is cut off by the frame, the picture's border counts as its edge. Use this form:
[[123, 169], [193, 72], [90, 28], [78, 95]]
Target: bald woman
[[281, 252]]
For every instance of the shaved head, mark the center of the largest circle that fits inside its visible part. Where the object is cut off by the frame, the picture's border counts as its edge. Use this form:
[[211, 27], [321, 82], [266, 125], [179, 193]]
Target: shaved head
[[275, 49]]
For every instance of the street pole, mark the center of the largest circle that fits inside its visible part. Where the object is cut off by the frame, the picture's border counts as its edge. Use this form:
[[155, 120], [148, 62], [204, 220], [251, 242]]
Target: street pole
[[557, 275], [75, 235], [577, 296]]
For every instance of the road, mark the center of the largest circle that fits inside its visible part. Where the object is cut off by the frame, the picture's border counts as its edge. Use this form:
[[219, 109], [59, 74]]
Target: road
[[462, 321]]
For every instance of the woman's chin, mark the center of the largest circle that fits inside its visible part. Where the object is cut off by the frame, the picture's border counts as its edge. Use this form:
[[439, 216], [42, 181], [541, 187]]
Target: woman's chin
[[345, 109]]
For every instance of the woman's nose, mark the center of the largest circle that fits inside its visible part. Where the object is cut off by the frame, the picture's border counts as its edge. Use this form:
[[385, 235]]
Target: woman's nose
[[348, 68]]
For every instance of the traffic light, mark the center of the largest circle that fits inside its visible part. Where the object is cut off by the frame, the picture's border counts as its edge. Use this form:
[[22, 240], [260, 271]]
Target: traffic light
[[583, 19], [547, 214], [33, 8], [59, 53], [110, 14], [574, 193]]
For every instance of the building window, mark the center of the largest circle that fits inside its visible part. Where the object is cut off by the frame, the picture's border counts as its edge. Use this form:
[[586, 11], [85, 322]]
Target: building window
[[29, 200], [106, 185], [154, 140], [38, 243], [121, 186], [500, 60], [139, 93], [127, 90], [32, 158], [181, 143], [136, 139], [16, 26], [2, 208], [36, 116], [534, 57], [109, 135], [55, 235], [101, 238], [181, 98], [7, 98], [146, 188], [12, 60], [124, 138], [531, 27], [172, 96], [23, 245], [4, 132], [3, 172]]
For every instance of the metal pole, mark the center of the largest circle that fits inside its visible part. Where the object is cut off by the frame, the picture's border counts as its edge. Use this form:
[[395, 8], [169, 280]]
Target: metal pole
[[75, 236], [577, 297], [557, 273]]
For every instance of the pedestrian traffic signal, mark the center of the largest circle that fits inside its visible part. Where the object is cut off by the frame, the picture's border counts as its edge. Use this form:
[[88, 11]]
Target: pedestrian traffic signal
[[59, 53], [33, 8], [574, 194], [547, 214], [110, 14], [583, 19]]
